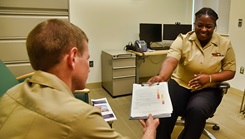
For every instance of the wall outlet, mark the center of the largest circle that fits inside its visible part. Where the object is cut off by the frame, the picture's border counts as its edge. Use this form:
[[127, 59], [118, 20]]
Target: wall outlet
[[242, 70], [91, 63], [239, 22]]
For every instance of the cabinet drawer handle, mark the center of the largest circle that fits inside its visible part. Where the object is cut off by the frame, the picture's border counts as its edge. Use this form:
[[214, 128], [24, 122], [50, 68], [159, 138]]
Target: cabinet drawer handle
[[125, 67], [120, 77], [121, 56]]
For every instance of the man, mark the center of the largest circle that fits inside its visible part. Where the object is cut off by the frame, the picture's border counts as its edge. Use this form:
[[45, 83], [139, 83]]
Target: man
[[44, 106]]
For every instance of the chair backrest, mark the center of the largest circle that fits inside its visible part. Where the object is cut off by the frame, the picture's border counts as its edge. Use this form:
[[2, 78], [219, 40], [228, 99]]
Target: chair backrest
[[83, 97], [7, 79]]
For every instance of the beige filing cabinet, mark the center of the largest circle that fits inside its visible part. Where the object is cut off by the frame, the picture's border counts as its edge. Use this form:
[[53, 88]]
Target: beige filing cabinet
[[118, 72]]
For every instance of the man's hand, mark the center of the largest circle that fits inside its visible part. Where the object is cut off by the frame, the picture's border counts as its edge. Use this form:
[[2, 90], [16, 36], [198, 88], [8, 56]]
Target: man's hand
[[149, 127]]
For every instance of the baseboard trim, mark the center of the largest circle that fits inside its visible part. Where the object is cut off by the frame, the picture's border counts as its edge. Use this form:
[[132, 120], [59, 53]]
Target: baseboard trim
[[94, 85], [235, 91]]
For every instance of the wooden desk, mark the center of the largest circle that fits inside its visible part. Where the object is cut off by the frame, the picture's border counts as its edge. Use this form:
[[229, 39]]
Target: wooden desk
[[157, 52], [140, 55]]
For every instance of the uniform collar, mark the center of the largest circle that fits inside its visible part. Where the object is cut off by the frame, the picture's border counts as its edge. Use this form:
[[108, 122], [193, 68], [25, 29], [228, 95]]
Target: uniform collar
[[50, 80]]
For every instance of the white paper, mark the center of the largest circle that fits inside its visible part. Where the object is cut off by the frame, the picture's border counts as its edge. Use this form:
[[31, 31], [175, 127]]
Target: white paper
[[105, 109], [152, 99]]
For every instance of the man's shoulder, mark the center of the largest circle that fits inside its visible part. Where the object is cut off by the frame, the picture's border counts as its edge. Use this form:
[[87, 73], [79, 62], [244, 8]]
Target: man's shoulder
[[70, 109], [51, 103]]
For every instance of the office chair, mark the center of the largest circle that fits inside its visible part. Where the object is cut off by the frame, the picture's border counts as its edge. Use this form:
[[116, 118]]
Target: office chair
[[223, 86], [8, 80], [242, 108]]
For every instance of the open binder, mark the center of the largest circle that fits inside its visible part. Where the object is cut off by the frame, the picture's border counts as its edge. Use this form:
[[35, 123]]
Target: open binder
[[152, 99]]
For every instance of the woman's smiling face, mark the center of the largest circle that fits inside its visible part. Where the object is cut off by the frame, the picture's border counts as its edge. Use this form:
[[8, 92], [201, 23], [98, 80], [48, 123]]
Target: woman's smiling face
[[204, 28]]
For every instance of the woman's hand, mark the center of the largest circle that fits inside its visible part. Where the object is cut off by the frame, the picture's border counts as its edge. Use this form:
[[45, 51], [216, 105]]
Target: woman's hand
[[167, 68], [199, 80], [155, 79]]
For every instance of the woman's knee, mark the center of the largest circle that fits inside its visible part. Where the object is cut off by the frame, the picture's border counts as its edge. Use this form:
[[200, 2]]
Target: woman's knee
[[200, 108]]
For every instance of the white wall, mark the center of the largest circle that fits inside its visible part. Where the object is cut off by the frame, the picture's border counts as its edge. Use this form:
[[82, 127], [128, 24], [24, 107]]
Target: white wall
[[237, 36], [111, 24]]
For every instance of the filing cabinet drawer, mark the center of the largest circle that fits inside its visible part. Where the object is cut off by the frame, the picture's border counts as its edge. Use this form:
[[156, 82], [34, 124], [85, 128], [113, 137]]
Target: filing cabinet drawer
[[126, 62], [123, 86], [123, 72]]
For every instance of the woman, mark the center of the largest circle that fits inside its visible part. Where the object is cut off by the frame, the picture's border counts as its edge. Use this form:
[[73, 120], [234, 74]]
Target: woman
[[202, 59]]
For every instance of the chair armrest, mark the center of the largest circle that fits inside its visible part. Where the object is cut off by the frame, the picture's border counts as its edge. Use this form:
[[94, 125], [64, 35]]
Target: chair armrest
[[223, 86], [84, 91], [23, 77]]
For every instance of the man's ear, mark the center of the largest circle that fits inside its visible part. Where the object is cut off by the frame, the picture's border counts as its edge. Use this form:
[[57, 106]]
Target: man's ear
[[72, 57]]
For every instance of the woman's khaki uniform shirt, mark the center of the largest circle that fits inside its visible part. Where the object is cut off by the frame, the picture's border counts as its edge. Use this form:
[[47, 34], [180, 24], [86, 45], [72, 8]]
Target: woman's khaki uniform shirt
[[216, 56], [43, 107]]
